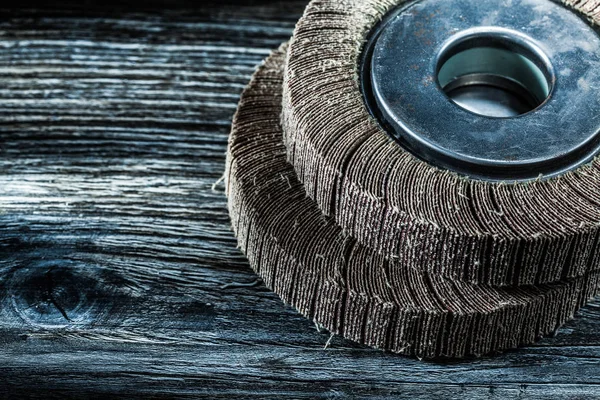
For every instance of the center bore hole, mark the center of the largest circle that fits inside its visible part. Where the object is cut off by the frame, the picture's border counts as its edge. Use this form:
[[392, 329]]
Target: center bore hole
[[494, 76]]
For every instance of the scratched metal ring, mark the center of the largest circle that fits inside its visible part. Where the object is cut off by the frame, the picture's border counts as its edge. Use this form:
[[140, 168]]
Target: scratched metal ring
[[482, 91]]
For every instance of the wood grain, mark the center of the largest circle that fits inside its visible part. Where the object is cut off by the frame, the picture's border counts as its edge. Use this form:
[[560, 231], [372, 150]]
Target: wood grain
[[119, 273]]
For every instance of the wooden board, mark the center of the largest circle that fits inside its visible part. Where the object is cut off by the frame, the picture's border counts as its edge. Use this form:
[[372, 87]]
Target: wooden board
[[119, 273]]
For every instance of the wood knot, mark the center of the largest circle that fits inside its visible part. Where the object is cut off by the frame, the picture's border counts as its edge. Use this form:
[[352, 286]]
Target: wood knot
[[58, 293]]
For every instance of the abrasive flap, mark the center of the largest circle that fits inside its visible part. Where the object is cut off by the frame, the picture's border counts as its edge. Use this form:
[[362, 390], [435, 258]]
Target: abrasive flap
[[469, 230], [350, 289], [383, 248]]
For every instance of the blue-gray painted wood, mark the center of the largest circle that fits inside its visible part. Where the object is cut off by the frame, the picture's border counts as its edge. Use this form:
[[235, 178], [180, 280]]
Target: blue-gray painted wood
[[119, 273]]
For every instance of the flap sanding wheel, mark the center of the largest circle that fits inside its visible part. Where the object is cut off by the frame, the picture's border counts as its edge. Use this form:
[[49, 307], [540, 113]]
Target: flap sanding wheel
[[350, 289], [456, 136]]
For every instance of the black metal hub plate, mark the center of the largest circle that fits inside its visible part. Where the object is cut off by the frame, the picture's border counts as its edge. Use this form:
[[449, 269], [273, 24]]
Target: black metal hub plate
[[400, 83]]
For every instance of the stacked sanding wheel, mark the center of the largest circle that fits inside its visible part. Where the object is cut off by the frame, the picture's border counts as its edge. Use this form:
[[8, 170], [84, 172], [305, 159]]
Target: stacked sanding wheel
[[379, 246]]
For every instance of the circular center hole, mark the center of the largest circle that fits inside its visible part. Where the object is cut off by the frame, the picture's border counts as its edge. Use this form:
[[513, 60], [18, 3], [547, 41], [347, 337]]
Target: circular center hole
[[495, 76]]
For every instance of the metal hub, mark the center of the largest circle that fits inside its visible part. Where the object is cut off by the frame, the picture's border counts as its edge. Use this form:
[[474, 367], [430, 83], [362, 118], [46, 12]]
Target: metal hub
[[496, 90]]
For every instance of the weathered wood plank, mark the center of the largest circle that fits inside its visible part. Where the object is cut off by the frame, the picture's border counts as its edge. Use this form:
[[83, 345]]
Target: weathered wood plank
[[119, 273]]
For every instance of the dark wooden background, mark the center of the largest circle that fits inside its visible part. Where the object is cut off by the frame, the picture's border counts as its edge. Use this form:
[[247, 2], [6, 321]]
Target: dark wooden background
[[119, 273]]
